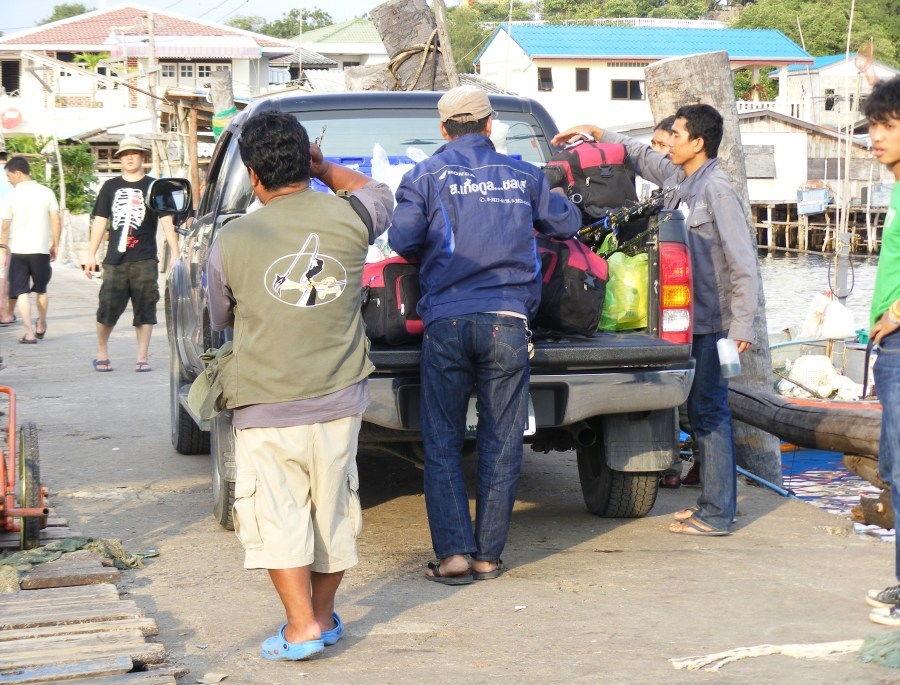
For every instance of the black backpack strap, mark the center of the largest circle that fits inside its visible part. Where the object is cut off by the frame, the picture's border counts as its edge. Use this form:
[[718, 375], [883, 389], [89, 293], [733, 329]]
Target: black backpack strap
[[361, 211]]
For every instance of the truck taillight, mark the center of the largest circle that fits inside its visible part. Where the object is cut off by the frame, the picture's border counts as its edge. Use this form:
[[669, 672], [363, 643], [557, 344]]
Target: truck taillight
[[676, 307]]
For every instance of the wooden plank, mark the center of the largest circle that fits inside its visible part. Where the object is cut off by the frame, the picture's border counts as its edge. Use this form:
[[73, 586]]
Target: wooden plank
[[72, 648], [26, 619], [138, 678], [62, 672], [53, 597], [147, 626], [11, 540], [77, 568]]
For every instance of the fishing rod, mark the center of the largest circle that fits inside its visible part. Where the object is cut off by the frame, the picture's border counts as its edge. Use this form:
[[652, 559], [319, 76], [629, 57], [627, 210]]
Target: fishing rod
[[593, 234]]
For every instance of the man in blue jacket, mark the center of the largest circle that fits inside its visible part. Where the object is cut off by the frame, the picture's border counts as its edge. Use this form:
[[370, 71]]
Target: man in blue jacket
[[468, 214]]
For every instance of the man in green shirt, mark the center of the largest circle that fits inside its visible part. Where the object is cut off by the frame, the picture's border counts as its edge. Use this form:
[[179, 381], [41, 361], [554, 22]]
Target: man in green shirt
[[883, 112]]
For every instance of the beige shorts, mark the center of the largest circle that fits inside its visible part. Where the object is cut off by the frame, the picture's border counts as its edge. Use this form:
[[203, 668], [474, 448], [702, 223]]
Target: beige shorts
[[297, 495]]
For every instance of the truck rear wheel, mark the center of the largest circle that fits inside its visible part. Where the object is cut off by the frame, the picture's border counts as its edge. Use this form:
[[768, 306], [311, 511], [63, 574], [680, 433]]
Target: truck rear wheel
[[222, 458], [614, 494], [187, 438]]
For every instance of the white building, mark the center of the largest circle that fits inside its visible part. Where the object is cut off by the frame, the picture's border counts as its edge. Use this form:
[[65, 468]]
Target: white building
[[596, 73]]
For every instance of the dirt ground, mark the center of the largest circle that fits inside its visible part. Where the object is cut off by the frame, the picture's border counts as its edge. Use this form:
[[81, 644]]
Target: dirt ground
[[586, 600]]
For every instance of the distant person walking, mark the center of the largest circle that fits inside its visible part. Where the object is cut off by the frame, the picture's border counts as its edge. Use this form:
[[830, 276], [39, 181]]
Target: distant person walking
[[131, 265], [725, 292], [6, 315], [883, 111], [31, 228]]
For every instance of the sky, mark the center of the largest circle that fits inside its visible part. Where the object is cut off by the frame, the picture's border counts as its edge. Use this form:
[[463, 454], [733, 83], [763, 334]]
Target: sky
[[28, 14]]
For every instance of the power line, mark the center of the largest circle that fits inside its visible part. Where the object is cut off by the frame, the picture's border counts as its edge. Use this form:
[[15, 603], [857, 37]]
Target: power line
[[211, 10], [239, 5]]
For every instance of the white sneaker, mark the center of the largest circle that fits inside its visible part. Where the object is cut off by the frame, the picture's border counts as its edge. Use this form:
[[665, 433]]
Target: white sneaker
[[886, 617]]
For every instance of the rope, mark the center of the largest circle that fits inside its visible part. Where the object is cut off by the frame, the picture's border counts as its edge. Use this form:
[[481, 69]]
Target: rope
[[425, 48]]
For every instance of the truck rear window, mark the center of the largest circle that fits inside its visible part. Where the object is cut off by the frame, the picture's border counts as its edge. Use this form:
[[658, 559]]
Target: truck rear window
[[348, 134]]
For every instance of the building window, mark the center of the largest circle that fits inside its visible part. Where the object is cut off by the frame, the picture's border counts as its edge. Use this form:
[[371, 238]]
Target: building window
[[627, 90], [344, 65], [545, 78], [167, 71], [829, 99], [11, 70], [186, 70], [204, 70], [627, 64], [223, 67], [582, 80]]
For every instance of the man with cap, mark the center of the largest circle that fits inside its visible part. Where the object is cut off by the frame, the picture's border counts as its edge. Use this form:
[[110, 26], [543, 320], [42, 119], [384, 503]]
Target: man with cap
[[131, 265], [468, 213]]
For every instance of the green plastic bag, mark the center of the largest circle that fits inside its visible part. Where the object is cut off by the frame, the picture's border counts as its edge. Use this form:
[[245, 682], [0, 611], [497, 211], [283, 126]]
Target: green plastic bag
[[626, 303]]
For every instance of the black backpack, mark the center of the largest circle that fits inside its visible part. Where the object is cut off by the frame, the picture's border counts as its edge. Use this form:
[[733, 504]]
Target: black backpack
[[597, 177]]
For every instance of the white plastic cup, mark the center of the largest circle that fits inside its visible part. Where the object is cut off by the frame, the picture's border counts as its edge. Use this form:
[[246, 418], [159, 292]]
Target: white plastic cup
[[729, 361]]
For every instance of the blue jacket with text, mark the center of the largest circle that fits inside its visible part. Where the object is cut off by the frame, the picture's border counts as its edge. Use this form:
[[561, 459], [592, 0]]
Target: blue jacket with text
[[468, 214]]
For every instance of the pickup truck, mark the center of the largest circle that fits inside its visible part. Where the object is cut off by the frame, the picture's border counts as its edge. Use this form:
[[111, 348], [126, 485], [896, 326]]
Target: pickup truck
[[612, 397]]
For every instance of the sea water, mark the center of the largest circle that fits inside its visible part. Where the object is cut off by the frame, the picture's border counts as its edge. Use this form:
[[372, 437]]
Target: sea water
[[791, 280]]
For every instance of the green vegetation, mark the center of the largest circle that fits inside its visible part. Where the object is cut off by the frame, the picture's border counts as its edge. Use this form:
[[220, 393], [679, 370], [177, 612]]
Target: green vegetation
[[78, 168], [824, 24], [291, 24], [66, 10]]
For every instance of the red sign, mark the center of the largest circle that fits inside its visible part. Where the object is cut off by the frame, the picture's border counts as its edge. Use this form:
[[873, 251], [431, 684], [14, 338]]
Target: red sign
[[11, 117]]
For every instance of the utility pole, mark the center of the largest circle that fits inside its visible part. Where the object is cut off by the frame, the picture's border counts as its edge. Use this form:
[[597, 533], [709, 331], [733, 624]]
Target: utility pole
[[440, 17]]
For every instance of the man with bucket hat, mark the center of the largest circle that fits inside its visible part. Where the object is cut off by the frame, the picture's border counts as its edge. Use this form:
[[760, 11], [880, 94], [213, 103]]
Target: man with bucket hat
[[130, 268]]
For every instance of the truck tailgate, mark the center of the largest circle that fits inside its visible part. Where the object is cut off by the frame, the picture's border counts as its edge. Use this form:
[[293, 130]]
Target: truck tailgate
[[556, 352]]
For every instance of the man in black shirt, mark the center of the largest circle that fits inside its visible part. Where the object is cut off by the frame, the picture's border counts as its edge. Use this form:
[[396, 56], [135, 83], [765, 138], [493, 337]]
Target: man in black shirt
[[130, 268]]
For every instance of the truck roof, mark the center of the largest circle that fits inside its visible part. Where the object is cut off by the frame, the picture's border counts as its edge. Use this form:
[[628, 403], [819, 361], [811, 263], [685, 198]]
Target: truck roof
[[369, 100]]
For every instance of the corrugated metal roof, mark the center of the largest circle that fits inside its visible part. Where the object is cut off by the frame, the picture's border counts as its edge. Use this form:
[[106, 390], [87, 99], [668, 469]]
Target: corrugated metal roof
[[818, 63], [308, 58], [93, 28], [627, 42], [357, 30]]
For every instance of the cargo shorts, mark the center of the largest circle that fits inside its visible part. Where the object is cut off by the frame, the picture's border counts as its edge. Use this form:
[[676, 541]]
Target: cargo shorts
[[134, 281], [296, 495]]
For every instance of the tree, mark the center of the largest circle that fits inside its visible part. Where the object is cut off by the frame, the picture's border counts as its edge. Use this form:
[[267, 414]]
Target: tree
[[743, 84], [90, 60], [64, 11], [824, 24], [562, 10], [295, 22], [247, 23], [78, 168]]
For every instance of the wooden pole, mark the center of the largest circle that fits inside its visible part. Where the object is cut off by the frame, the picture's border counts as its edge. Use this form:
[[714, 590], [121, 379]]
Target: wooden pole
[[706, 78], [440, 18], [222, 94]]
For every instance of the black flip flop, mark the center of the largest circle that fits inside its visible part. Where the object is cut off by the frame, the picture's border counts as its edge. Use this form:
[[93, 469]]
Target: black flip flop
[[435, 568], [25, 341], [40, 336], [493, 573]]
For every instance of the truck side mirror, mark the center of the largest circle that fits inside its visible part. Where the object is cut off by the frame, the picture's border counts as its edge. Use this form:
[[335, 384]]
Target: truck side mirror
[[170, 197]]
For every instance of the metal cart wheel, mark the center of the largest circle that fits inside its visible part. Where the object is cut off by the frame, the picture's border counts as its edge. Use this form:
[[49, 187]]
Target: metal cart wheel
[[29, 486]]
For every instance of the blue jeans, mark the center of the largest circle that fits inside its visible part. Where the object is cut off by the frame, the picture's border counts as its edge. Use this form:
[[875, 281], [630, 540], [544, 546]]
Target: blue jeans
[[710, 419], [487, 353], [887, 384]]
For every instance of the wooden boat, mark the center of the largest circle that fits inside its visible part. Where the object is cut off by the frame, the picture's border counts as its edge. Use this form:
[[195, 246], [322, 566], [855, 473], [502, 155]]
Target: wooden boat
[[848, 427]]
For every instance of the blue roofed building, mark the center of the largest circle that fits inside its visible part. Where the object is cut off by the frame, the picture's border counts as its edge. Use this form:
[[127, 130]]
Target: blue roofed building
[[596, 72]]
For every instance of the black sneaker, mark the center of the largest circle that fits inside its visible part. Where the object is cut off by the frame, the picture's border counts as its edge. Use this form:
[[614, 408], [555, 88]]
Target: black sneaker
[[887, 598], [886, 617]]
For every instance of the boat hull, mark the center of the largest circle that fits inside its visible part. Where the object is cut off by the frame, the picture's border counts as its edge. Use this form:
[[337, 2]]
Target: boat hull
[[848, 427]]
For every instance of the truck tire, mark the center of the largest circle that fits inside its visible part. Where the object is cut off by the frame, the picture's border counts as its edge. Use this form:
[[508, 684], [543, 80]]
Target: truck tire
[[187, 438], [29, 486], [614, 494], [222, 460]]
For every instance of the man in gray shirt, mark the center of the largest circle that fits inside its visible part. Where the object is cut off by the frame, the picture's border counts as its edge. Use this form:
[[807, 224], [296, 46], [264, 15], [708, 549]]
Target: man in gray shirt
[[726, 285]]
